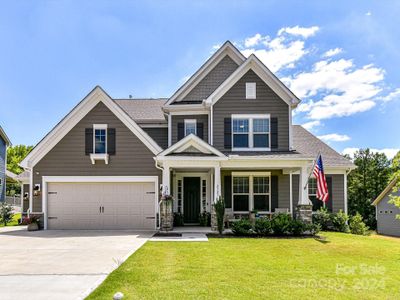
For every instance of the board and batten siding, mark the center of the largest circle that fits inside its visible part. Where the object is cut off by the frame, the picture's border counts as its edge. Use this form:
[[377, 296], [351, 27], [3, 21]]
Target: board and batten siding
[[3, 163], [67, 158], [387, 223], [159, 135], [267, 102], [181, 119], [212, 80]]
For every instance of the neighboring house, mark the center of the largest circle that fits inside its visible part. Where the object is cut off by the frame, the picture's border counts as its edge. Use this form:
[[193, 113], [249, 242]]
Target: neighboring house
[[386, 212], [4, 143], [226, 132]]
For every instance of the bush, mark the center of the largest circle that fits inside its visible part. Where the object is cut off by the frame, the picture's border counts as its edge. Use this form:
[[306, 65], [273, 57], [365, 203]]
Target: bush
[[280, 224], [313, 229], [262, 226], [297, 227], [178, 219], [339, 221], [219, 207], [205, 218], [357, 225], [6, 213], [242, 227], [323, 218]]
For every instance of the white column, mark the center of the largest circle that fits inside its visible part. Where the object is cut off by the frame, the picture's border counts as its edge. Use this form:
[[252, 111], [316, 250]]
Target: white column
[[217, 182], [166, 179], [291, 193], [303, 193], [22, 197]]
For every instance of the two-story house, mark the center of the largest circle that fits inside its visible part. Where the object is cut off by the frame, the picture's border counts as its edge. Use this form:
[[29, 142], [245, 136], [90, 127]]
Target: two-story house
[[4, 143], [226, 132]]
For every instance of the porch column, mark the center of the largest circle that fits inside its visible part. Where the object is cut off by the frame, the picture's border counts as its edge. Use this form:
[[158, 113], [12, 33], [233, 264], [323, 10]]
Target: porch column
[[166, 179], [217, 182], [304, 206]]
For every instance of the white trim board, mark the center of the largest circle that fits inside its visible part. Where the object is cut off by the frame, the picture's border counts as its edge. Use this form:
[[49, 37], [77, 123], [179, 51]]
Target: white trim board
[[108, 179], [96, 96]]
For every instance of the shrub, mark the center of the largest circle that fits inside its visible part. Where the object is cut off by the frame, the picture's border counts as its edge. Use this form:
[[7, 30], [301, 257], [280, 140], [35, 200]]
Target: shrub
[[262, 226], [322, 218], [357, 226], [312, 228], [219, 207], [205, 218], [242, 227], [178, 219], [31, 220], [339, 221], [280, 224], [297, 227], [6, 213]]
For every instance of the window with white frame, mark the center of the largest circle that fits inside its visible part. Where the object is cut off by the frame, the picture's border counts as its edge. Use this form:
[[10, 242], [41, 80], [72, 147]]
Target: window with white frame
[[251, 90], [100, 138], [190, 127], [251, 192], [312, 194], [250, 132]]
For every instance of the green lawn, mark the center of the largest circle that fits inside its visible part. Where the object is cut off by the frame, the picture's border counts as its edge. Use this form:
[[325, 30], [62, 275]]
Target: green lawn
[[233, 268], [14, 221]]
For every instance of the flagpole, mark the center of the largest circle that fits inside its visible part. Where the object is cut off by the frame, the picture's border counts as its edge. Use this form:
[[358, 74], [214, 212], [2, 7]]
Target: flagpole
[[312, 169]]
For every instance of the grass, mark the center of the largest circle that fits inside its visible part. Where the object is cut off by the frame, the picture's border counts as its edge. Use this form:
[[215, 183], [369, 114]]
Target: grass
[[342, 266], [14, 221]]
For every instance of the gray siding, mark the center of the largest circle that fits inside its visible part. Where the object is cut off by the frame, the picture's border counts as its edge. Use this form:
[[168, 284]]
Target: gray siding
[[68, 157], [181, 119], [235, 102], [3, 163], [295, 190], [337, 196], [386, 222], [212, 80], [159, 135]]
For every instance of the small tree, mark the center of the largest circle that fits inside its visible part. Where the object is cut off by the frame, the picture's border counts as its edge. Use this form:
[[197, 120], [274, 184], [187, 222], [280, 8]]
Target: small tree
[[219, 207], [6, 213], [395, 198]]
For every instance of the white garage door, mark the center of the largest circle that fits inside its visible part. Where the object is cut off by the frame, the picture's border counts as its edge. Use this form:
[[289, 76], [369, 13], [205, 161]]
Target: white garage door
[[101, 205]]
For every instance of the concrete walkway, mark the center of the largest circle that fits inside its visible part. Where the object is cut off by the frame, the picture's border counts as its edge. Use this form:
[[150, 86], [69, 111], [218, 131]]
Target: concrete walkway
[[61, 264]]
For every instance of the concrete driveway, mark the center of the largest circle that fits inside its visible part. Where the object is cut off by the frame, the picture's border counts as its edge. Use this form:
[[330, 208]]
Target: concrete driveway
[[61, 264]]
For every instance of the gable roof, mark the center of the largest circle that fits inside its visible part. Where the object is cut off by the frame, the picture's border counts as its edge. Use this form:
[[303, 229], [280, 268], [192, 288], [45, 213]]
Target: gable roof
[[4, 136], [253, 63], [188, 142], [226, 49], [144, 110], [306, 143], [385, 191], [96, 96]]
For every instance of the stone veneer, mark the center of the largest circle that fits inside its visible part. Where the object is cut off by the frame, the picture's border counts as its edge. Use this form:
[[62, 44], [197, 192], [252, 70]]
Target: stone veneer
[[166, 215], [304, 213]]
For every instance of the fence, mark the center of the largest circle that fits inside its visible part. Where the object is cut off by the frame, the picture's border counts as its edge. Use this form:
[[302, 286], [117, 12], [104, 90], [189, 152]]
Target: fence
[[14, 200]]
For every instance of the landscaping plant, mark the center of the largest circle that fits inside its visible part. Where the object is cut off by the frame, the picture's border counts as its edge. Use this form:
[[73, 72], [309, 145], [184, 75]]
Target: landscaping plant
[[204, 218], [219, 207], [178, 219], [262, 226], [6, 213], [280, 224], [297, 227], [323, 218], [357, 226], [242, 227], [339, 221]]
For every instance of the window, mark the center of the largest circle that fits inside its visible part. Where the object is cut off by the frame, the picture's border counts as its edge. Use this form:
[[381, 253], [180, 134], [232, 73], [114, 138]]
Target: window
[[251, 90], [100, 138], [250, 132], [251, 192], [190, 127], [312, 194], [1, 181]]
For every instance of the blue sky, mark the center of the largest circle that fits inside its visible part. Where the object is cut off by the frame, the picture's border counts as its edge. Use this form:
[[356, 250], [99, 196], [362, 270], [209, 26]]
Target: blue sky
[[341, 58]]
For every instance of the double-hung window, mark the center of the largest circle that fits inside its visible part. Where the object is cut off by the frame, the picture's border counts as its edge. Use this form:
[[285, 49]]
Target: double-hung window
[[251, 191], [190, 126], [250, 132], [100, 138]]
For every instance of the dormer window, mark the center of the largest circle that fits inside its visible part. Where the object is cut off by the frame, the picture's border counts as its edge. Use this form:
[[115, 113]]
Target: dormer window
[[190, 127], [251, 88], [100, 138]]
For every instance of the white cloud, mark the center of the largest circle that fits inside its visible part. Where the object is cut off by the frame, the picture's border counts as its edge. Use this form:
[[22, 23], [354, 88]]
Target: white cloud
[[368, 13], [253, 41], [310, 125], [389, 152], [301, 31], [333, 52], [334, 137], [391, 96]]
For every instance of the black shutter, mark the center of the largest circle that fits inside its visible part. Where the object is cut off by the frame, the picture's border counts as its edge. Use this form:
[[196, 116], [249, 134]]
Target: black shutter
[[199, 130], [329, 205], [274, 193], [88, 141], [274, 133], [181, 131], [228, 133], [111, 141], [228, 191]]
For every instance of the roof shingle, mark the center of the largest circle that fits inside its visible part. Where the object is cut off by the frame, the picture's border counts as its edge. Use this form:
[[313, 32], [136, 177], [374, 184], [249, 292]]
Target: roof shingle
[[144, 110]]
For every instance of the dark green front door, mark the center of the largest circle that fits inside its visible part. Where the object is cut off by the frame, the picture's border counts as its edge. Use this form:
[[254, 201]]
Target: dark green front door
[[191, 199]]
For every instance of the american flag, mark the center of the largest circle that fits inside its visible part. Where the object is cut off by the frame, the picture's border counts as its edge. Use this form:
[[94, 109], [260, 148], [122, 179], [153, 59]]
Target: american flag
[[322, 186]]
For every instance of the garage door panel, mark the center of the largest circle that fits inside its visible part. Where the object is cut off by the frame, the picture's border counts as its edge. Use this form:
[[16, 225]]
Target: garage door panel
[[78, 205]]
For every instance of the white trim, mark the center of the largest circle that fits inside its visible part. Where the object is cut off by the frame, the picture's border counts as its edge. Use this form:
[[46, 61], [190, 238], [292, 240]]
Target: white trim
[[253, 63], [290, 129], [189, 111], [291, 193], [211, 135], [152, 125], [5, 137], [226, 49], [191, 122], [30, 190], [96, 96], [109, 179], [99, 156]]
